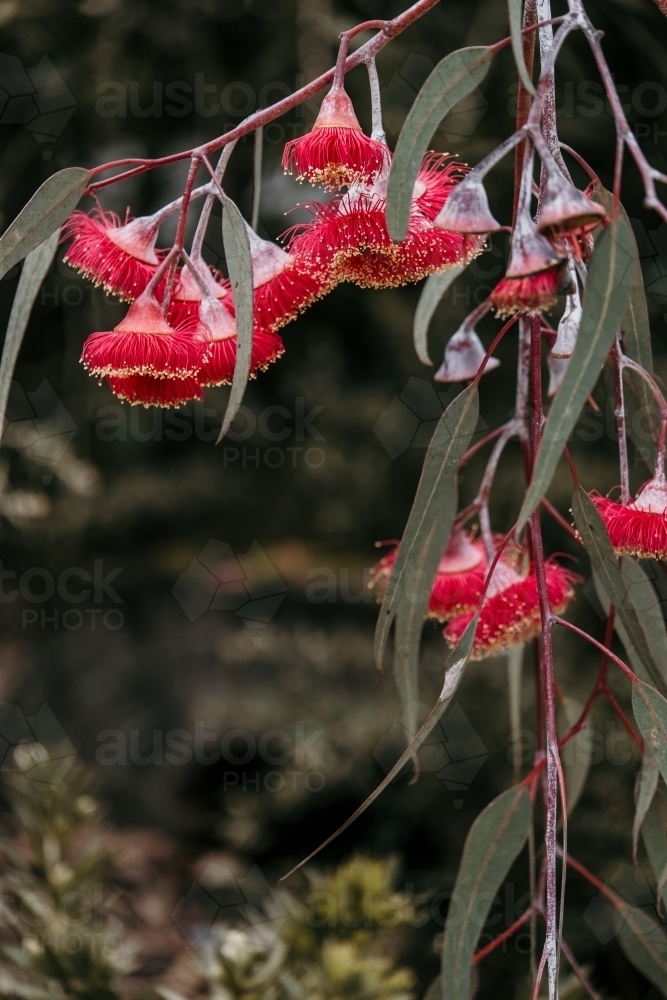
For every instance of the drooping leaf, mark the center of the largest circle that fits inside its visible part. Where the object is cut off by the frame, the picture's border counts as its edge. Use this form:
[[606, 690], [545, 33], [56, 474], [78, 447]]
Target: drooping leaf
[[407, 639], [644, 942], [239, 265], [454, 667], [605, 301], [646, 604], [650, 710], [493, 844], [46, 211], [576, 753], [645, 787], [514, 678], [36, 266], [654, 835], [432, 514], [597, 544], [453, 78], [434, 288], [516, 23]]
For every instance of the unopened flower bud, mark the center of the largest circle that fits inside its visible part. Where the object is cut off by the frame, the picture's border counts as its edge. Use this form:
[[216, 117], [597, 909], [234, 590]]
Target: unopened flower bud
[[464, 355], [467, 210]]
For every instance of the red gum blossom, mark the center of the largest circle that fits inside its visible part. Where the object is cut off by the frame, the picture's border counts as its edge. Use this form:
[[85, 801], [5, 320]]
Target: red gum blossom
[[96, 255], [532, 294], [220, 357], [143, 343], [336, 151], [633, 531], [453, 593], [348, 237], [512, 615]]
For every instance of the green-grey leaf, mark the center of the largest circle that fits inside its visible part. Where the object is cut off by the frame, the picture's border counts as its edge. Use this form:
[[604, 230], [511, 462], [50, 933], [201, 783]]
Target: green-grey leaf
[[453, 78], [654, 835], [650, 710], [645, 786], [46, 211], [514, 678], [36, 266], [596, 541], [605, 301], [454, 667], [435, 287], [407, 638], [239, 265], [432, 514], [493, 844], [516, 23], [646, 604], [643, 941], [576, 754]]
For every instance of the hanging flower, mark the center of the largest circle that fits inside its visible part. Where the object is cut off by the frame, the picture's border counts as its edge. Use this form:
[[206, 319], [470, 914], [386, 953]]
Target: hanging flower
[[216, 337], [459, 580], [335, 152], [437, 177], [143, 343], [284, 285], [146, 390], [349, 238], [640, 527], [510, 613], [535, 275], [122, 258], [464, 354]]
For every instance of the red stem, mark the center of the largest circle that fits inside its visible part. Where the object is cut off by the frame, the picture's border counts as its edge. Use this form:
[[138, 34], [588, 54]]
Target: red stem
[[492, 945]]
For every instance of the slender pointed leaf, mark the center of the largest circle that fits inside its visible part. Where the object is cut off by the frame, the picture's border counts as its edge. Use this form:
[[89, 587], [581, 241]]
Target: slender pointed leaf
[[650, 710], [453, 78], [596, 541], [435, 287], [239, 265], [605, 301], [432, 513], [514, 679], [577, 752], [36, 266], [493, 844], [407, 640], [454, 667], [654, 835], [644, 942], [516, 23], [46, 211], [645, 787]]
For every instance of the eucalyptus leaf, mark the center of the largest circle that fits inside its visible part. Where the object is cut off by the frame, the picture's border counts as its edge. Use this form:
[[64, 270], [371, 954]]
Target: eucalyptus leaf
[[407, 638], [239, 265], [432, 514], [454, 667], [654, 835], [645, 788], [650, 710], [576, 753], [596, 541], [605, 301], [644, 942], [35, 269], [46, 211], [493, 844], [647, 606], [516, 23], [453, 78], [434, 288]]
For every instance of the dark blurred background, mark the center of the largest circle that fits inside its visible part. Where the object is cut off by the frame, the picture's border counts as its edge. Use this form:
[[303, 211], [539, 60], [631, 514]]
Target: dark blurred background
[[322, 462]]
